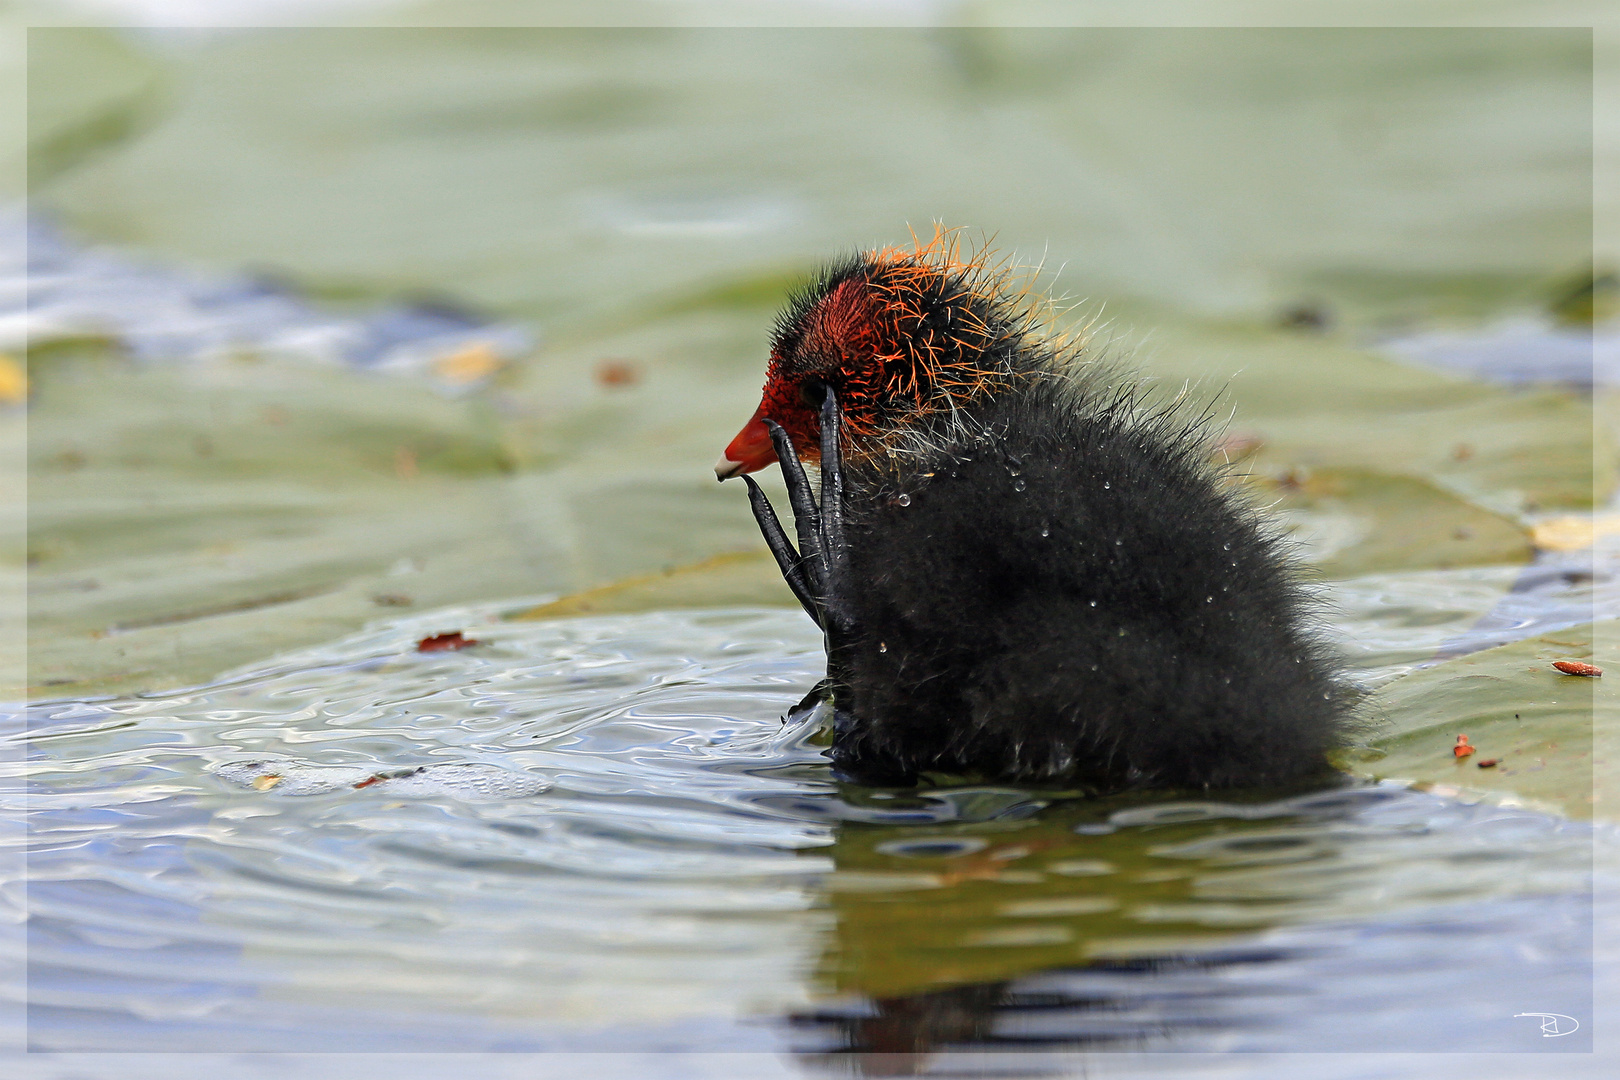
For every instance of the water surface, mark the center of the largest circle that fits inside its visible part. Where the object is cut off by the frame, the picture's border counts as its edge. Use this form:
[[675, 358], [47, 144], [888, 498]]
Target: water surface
[[600, 833]]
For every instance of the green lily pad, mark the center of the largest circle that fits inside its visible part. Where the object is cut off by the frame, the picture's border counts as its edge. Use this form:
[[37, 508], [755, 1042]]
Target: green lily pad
[[1312, 401], [579, 174], [737, 579], [186, 521], [88, 90], [1353, 521], [1516, 709]]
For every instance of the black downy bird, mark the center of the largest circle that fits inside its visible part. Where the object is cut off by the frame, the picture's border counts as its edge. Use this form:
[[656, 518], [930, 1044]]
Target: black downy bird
[[1023, 572]]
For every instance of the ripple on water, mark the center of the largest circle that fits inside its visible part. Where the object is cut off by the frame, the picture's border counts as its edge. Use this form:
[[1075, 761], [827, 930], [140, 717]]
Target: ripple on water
[[601, 833]]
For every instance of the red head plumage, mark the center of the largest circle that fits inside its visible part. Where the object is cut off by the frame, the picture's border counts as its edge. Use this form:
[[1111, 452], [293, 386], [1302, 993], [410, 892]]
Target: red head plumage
[[897, 334]]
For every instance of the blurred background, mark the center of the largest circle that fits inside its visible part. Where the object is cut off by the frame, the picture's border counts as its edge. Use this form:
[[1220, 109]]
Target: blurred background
[[327, 320], [324, 340]]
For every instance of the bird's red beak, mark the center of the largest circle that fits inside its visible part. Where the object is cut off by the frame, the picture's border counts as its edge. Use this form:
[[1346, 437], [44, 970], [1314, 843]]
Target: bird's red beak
[[750, 450]]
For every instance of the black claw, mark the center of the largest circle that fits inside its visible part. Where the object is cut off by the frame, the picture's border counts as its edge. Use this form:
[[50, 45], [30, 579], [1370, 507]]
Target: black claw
[[832, 505], [815, 571], [786, 558], [806, 518]]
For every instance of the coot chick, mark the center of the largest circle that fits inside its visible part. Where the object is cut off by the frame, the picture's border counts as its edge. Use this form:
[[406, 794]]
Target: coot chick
[[1024, 572]]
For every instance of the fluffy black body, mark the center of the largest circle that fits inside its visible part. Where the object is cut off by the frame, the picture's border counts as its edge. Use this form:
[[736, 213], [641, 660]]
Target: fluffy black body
[[1053, 586]]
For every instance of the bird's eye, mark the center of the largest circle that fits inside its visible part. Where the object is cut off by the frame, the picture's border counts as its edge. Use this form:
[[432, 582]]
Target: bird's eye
[[813, 392]]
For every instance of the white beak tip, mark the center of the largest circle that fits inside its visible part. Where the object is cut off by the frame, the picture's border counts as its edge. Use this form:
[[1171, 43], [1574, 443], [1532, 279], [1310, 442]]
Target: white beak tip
[[725, 468]]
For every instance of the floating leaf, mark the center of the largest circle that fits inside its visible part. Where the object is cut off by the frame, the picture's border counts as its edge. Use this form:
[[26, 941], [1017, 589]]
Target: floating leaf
[[1536, 723]]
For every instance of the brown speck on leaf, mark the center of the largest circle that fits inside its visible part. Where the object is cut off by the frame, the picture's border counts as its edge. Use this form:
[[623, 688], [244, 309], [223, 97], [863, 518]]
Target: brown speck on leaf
[[1578, 667], [1490, 763], [618, 374], [1461, 452], [392, 600], [1462, 749], [445, 642]]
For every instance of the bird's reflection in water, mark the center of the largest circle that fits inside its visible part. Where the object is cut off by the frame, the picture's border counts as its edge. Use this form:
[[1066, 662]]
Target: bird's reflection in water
[[995, 921], [1060, 1010], [897, 1036]]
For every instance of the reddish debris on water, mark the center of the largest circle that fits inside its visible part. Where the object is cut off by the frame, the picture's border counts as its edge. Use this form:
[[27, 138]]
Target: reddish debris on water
[[398, 774], [445, 642], [1462, 749], [1576, 667], [1490, 763]]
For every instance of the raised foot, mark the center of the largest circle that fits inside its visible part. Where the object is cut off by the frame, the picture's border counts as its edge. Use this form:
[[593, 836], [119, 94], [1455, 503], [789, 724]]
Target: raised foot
[[816, 569], [817, 572]]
